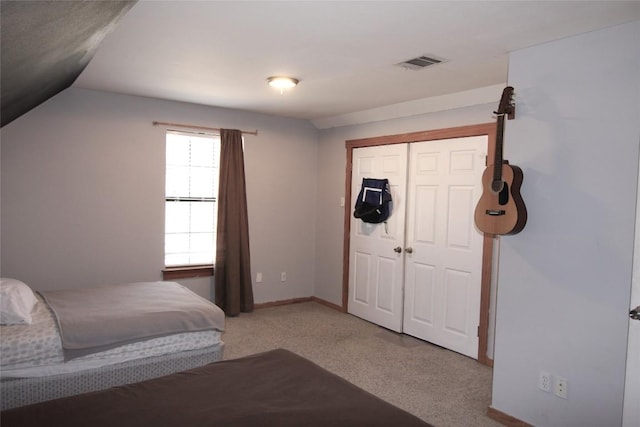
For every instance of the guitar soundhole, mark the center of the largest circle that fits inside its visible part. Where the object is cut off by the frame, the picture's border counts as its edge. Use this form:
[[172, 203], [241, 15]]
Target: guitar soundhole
[[503, 196]]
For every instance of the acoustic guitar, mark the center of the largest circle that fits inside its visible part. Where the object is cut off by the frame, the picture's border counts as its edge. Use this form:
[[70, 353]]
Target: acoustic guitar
[[501, 209]]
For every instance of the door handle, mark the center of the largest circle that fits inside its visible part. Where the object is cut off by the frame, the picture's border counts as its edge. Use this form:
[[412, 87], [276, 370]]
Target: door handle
[[635, 313], [397, 249], [408, 250]]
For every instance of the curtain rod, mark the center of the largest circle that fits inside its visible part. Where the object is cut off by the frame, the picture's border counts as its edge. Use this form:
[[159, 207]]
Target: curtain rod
[[244, 132]]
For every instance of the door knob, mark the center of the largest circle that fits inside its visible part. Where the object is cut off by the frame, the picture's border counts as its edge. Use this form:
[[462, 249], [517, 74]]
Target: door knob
[[409, 250], [635, 313], [397, 249]]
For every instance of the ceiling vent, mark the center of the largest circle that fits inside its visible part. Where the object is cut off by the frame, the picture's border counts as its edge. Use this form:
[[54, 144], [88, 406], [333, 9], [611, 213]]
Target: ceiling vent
[[420, 62]]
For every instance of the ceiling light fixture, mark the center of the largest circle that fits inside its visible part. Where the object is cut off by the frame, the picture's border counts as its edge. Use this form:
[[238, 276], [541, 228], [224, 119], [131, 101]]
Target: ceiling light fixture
[[282, 83]]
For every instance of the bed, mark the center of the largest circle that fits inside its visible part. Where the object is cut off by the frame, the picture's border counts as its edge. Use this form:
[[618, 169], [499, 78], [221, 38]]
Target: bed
[[61, 343], [275, 388]]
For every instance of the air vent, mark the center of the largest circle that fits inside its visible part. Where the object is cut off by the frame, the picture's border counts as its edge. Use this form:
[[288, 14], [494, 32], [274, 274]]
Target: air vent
[[420, 62]]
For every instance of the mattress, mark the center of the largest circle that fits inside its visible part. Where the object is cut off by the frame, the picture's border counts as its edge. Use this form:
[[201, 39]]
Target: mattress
[[16, 392], [272, 389], [36, 350]]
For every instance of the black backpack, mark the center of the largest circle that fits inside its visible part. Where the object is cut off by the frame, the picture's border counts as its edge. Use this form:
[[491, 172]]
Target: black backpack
[[374, 201]]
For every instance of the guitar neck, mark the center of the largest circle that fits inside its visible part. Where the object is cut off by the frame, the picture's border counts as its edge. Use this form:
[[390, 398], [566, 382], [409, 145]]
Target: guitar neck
[[498, 160]]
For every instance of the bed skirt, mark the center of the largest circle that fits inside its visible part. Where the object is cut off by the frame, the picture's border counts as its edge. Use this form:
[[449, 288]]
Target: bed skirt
[[15, 392]]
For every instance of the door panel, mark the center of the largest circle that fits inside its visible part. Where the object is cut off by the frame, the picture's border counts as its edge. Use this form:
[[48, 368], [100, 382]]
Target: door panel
[[386, 284], [422, 305], [375, 270], [425, 218], [443, 307], [457, 285], [361, 277], [460, 231]]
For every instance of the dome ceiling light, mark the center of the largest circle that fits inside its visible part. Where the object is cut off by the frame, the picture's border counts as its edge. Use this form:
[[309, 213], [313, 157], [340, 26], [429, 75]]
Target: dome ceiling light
[[281, 82]]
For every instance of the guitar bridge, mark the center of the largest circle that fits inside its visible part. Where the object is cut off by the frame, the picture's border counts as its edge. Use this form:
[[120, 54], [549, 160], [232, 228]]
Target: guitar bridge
[[495, 212]]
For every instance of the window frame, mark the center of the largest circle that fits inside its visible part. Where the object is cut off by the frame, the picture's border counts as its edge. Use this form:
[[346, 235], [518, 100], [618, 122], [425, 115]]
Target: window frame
[[174, 272], [187, 271]]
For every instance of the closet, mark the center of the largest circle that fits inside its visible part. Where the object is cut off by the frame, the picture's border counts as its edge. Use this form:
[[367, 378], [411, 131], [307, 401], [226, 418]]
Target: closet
[[421, 273]]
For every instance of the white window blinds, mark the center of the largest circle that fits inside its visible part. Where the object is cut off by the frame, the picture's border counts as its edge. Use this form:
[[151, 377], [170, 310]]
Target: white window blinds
[[191, 190]]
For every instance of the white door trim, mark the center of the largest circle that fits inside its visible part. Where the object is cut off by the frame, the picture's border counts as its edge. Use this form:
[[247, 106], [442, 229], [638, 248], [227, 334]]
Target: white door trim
[[631, 408]]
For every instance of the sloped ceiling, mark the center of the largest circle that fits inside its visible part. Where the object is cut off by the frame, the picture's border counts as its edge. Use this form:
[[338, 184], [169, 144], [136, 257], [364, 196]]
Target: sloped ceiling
[[46, 45], [219, 53]]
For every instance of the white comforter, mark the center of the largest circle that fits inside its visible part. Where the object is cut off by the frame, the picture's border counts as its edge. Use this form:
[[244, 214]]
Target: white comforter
[[36, 350]]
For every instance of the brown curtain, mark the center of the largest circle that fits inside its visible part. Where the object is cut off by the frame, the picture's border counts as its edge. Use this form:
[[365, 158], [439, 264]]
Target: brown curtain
[[233, 291]]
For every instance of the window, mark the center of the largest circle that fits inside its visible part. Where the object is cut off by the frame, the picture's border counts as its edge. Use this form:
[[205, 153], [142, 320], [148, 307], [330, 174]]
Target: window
[[192, 171]]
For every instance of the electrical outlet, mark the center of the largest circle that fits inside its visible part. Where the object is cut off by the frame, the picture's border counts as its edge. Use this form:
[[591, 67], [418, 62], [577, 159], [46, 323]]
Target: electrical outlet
[[258, 277], [561, 387], [544, 381], [283, 276]]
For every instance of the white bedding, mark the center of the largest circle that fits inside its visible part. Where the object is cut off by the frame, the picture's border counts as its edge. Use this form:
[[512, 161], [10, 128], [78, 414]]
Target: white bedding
[[36, 350]]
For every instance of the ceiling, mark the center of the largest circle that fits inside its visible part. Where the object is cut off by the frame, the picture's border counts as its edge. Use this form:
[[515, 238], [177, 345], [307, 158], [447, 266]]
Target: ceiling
[[220, 53], [46, 45]]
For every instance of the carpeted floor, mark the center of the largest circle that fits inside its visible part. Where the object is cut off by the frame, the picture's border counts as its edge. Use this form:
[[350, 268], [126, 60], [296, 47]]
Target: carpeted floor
[[441, 387]]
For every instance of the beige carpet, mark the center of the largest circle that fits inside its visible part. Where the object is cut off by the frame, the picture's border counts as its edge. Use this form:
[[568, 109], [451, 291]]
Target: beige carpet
[[437, 385]]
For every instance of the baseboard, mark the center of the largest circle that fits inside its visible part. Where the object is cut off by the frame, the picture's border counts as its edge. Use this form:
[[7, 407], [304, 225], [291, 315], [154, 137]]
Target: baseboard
[[505, 419], [298, 300], [483, 359], [327, 303], [281, 302]]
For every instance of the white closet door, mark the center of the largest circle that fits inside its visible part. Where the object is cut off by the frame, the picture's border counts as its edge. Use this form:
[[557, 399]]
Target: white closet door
[[375, 269], [443, 263]]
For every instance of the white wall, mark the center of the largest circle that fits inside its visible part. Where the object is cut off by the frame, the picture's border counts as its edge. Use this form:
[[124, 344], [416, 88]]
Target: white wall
[[83, 186], [564, 282], [331, 179]]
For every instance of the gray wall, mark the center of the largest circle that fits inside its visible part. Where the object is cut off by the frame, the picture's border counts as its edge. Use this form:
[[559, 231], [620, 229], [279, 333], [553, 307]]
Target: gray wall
[[83, 186], [564, 282]]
